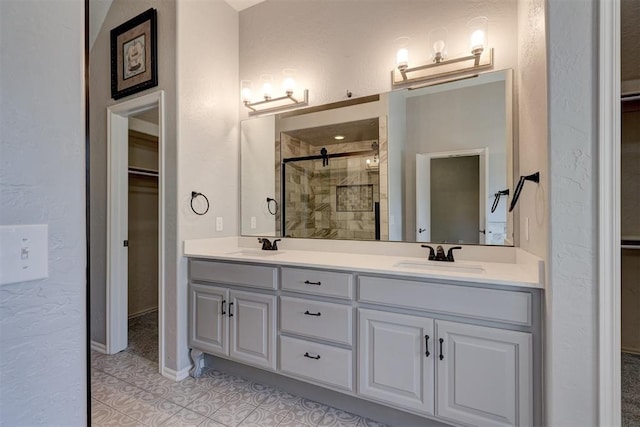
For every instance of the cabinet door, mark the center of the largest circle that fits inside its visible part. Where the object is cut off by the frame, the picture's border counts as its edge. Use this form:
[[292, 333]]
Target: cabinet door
[[396, 358], [484, 375], [208, 321], [252, 328]]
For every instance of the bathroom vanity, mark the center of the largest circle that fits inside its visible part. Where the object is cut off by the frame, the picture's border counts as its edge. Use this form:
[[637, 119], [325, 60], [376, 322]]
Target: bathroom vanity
[[456, 342]]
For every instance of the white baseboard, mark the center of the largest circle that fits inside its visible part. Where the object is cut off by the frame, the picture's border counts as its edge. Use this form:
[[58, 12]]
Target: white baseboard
[[100, 348], [176, 375]]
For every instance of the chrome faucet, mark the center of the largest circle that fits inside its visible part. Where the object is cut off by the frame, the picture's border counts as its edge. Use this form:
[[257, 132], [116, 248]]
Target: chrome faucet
[[267, 245]]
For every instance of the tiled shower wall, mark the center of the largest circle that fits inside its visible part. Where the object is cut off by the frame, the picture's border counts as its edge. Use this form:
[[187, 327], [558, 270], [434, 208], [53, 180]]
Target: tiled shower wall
[[310, 192]]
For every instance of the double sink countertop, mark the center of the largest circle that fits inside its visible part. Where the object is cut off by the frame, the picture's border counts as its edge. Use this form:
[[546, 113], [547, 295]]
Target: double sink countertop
[[474, 264]]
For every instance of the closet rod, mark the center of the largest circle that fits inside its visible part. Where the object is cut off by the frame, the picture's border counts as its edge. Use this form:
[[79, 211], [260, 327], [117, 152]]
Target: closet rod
[[626, 98], [143, 172], [630, 244]]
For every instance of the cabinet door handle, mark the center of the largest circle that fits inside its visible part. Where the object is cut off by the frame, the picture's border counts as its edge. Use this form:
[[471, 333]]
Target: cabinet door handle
[[308, 313], [426, 346], [316, 357], [224, 301], [441, 355], [306, 282], [230, 309]]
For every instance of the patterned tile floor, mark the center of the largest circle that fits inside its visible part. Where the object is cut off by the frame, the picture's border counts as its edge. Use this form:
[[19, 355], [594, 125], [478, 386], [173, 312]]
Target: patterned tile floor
[[127, 390], [143, 335], [630, 390]]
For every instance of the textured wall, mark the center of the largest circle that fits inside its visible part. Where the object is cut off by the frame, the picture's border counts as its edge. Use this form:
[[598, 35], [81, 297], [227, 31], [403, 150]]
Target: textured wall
[[100, 100], [531, 122], [208, 148], [571, 297], [42, 323]]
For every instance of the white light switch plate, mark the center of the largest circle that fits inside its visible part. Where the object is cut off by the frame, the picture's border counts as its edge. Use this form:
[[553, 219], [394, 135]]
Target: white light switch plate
[[23, 253]]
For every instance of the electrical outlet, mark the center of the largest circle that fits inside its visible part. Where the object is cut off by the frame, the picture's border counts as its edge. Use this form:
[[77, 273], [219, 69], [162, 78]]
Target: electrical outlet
[[253, 223], [219, 223]]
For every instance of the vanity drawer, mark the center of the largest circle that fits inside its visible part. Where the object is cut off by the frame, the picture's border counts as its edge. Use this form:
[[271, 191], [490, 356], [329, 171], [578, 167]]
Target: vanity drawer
[[323, 320], [318, 362], [259, 276], [317, 282], [488, 304]]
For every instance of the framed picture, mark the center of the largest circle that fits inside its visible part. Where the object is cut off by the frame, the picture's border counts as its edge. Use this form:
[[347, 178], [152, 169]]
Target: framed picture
[[134, 65]]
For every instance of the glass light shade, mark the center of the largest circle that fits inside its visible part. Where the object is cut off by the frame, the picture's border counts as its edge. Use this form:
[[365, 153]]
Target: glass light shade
[[289, 81], [246, 88], [478, 30], [437, 40], [402, 52], [267, 85]]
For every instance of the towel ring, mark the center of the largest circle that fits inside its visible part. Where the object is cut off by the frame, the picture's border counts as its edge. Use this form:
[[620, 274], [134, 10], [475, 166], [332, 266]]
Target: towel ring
[[195, 195]]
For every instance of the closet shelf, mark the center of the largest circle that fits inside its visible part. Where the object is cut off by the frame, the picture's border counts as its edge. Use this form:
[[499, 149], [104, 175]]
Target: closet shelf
[[630, 242], [142, 171]]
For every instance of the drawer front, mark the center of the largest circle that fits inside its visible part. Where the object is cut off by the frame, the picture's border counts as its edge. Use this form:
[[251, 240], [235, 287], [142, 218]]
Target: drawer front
[[488, 304], [318, 362], [332, 322], [259, 276], [328, 283]]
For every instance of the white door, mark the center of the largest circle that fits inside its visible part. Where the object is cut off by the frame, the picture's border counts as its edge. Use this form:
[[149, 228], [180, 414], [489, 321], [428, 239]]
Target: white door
[[396, 359], [428, 210], [209, 321], [484, 375], [252, 328]]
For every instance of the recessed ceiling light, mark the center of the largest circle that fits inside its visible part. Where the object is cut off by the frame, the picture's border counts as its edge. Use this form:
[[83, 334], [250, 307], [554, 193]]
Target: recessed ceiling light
[[338, 137]]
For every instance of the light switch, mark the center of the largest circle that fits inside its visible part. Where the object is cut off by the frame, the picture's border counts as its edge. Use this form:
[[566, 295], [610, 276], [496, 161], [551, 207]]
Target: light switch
[[23, 253], [253, 223]]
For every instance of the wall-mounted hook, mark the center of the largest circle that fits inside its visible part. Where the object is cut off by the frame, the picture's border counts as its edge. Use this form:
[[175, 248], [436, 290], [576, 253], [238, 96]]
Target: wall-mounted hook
[[349, 93], [534, 177]]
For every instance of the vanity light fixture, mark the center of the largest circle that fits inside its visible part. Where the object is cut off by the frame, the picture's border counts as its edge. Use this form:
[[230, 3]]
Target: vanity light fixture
[[440, 65], [273, 104]]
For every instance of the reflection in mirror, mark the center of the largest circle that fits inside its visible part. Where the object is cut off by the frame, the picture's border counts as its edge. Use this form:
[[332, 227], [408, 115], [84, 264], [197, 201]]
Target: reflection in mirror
[[410, 165]]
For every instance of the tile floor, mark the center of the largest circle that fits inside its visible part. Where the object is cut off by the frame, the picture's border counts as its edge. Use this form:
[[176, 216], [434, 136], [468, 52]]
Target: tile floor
[[127, 390], [630, 390]]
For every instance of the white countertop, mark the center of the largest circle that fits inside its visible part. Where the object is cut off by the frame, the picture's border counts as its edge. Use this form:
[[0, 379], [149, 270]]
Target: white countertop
[[504, 266]]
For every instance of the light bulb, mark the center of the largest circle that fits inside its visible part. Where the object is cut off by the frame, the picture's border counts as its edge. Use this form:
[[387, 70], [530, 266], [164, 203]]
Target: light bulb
[[267, 88], [477, 40], [402, 58], [245, 91], [289, 81], [438, 46], [437, 40]]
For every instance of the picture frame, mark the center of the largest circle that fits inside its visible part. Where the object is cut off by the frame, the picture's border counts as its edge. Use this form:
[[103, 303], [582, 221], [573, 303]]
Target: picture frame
[[134, 48]]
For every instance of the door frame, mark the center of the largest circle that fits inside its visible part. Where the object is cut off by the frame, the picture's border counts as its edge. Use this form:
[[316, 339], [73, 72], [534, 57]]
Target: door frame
[[609, 146], [423, 187], [117, 219]]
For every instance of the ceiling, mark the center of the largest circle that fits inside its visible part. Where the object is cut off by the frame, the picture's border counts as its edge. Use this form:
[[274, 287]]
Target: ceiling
[[361, 130]]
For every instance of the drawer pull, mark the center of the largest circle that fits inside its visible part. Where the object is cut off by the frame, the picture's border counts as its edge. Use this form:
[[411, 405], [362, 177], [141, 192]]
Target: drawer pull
[[441, 355], [230, 307], [426, 346], [308, 313], [306, 282], [224, 301], [316, 357]]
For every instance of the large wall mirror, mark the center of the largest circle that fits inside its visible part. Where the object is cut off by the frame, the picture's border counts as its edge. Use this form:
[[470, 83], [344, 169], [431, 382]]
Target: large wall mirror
[[414, 165]]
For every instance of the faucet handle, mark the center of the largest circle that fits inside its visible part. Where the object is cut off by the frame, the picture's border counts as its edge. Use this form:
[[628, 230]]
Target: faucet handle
[[266, 244], [450, 253], [274, 246], [432, 254]]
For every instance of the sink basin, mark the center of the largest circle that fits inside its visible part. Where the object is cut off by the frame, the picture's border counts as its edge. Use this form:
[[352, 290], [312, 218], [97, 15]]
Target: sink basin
[[254, 252], [440, 267]]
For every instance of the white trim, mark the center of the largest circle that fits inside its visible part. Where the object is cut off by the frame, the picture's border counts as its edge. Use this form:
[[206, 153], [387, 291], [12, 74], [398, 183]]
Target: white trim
[[99, 347], [609, 215], [176, 375], [117, 166], [143, 127]]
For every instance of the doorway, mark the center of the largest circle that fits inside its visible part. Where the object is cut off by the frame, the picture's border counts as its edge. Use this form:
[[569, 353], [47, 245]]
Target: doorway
[[451, 194], [135, 222]]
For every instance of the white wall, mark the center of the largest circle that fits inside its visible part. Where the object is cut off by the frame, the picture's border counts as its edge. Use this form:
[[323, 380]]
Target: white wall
[[571, 297], [42, 323], [208, 149]]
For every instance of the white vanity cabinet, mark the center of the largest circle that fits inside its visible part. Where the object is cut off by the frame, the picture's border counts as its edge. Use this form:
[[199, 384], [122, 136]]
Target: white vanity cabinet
[[232, 322], [396, 354], [455, 371]]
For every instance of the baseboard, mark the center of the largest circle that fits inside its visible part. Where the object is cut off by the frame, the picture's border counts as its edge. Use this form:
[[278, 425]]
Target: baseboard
[[176, 375], [100, 348]]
